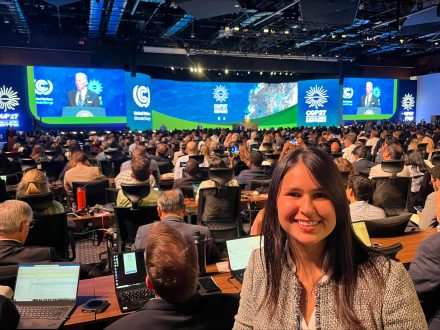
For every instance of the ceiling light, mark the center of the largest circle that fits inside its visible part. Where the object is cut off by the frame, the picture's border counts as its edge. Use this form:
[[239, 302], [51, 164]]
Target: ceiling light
[[227, 29], [402, 41], [172, 68], [249, 72], [191, 69], [436, 44], [193, 35], [333, 36], [261, 73], [266, 30], [343, 36], [272, 31], [286, 31], [236, 28], [237, 73], [226, 71]]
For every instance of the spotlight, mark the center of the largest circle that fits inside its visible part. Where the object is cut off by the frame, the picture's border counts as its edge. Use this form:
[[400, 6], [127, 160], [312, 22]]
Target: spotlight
[[172, 68], [226, 71], [266, 30], [236, 28], [261, 73]]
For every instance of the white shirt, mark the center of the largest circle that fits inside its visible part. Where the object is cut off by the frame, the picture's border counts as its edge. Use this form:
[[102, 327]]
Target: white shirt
[[83, 93]]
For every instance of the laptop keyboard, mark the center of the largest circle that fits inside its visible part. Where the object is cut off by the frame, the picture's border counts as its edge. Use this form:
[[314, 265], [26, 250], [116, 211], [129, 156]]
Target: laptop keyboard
[[136, 295], [43, 312]]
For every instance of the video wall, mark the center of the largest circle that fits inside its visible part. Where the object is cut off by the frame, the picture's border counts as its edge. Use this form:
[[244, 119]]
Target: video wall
[[85, 96]]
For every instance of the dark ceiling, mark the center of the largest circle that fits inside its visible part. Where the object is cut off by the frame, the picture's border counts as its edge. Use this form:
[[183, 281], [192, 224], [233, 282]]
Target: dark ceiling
[[255, 35]]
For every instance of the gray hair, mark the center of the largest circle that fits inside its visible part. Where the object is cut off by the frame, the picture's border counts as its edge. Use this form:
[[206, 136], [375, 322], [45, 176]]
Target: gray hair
[[12, 214], [171, 201]]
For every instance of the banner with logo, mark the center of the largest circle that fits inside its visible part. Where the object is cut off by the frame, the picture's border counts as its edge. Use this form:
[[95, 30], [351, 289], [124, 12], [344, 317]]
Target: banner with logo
[[318, 103], [406, 107], [138, 99], [14, 106]]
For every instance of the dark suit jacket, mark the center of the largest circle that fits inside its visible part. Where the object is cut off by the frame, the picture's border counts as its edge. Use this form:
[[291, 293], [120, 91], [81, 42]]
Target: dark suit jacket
[[363, 165], [187, 182], [424, 271], [246, 176], [12, 253], [374, 102], [215, 311], [185, 229], [9, 316], [91, 99]]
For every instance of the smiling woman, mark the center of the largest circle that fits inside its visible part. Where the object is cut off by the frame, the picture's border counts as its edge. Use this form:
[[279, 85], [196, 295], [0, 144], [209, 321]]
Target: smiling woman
[[313, 271]]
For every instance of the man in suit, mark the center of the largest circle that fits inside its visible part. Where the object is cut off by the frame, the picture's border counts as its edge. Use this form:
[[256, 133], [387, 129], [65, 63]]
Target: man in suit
[[424, 271], [393, 152], [369, 100], [255, 171], [172, 271], [361, 164], [171, 210], [83, 97], [15, 218]]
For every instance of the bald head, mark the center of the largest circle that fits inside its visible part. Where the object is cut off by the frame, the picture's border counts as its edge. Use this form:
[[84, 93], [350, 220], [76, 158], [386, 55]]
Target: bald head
[[191, 148]]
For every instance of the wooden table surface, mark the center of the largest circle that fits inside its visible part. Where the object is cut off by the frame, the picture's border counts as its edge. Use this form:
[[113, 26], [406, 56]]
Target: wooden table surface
[[410, 242]]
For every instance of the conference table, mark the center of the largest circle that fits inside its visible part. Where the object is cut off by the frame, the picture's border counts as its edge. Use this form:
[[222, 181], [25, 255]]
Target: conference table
[[103, 288]]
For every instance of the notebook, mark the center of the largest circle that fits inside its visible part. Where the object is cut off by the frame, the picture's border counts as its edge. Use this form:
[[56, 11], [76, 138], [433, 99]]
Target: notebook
[[360, 229], [129, 273], [239, 251], [45, 294]]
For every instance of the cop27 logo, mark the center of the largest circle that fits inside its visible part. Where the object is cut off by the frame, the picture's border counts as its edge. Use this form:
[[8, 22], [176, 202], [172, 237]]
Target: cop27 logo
[[316, 97], [141, 96], [8, 99], [43, 87]]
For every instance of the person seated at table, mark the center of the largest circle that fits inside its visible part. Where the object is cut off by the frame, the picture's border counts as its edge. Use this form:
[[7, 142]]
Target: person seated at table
[[192, 175], [35, 182], [172, 270], [216, 163], [9, 316], [424, 271], [171, 210], [313, 272], [141, 173], [255, 171], [430, 215], [392, 152], [124, 175], [81, 171], [360, 163], [191, 149], [111, 145], [359, 190]]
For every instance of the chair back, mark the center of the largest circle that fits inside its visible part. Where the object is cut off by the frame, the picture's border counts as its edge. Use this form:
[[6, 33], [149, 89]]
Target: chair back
[[435, 160], [392, 194], [390, 251], [129, 220], [150, 150], [219, 210], [27, 164], [95, 191], [272, 158], [111, 168], [336, 154], [260, 185], [165, 167], [392, 166], [199, 158], [50, 231], [12, 155], [187, 191], [389, 226], [51, 154], [11, 179], [53, 168], [369, 152], [38, 202], [421, 147], [135, 192], [221, 175], [254, 147], [8, 275]]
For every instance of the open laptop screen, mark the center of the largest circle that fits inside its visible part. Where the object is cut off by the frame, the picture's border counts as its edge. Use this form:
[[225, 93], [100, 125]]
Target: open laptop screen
[[50, 282], [129, 268], [360, 229], [239, 251]]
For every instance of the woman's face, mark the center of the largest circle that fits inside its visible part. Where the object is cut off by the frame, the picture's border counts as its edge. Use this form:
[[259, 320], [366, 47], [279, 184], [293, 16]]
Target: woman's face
[[305, 212]]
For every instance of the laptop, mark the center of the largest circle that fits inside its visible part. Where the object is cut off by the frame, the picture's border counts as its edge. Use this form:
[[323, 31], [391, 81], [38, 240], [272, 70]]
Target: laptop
[[45, 294], [239, 251], [131, 289]]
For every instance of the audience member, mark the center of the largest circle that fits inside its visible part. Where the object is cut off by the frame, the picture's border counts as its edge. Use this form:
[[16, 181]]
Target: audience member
[[191, 149], [141, 173], [112, 146], [359, 191], [138, 151], [9, 316], [349, 144], [38, 154], [430, 215], [360, 163], [255, 171], [35, 182], [424, 271], [392, 152], [192, 175], [81, 171], [172, 271], [171, 210]]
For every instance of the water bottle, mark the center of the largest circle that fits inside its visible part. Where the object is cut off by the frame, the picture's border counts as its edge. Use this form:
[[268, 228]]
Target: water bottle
[[81, 198], [200, 241]]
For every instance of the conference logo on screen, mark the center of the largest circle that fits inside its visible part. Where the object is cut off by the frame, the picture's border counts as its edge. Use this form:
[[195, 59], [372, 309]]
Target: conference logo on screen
[[408, 102], [220, 94], [95, 86], [8, 99], [347, 95], [43, 88], [141, 96], [316, 97]]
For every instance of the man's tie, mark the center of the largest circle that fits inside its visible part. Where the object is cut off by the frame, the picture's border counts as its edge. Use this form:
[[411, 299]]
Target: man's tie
[[80, 100]]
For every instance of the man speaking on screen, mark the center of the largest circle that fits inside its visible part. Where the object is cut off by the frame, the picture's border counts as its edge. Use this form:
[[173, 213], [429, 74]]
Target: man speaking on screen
[[82, 96], [369, 100]]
